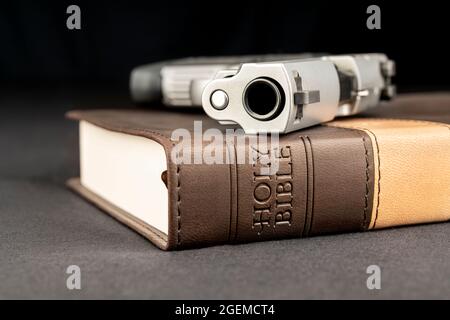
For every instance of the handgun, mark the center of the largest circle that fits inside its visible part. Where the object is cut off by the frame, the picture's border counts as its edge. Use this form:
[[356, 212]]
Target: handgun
[[271, 93]]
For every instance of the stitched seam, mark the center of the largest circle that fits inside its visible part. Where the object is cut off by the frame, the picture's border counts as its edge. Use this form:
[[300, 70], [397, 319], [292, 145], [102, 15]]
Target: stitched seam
[[379, 167], [366, 155], [379, 177], [366, 197]]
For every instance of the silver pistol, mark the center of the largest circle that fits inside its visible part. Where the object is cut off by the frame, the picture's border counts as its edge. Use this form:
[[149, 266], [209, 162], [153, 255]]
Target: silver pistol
[[280, 95], [172, 80]]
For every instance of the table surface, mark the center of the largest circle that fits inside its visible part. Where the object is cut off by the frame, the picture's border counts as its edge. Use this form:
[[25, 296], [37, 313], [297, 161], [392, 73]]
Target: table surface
[[44, 228]]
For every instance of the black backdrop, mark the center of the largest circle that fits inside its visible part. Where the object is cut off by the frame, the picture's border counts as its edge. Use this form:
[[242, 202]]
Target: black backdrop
[[36, 47]]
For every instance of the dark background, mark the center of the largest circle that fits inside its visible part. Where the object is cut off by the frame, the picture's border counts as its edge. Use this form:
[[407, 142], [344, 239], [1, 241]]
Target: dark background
[[37, 49]]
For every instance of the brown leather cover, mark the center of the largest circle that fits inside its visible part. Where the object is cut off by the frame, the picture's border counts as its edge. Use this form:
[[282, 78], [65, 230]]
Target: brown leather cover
[[328, 182]]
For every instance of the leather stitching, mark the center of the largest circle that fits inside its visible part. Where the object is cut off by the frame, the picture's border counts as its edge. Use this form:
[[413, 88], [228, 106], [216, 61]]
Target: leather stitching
[[366, 197], [379, 167], [379, 177], [366, 156]]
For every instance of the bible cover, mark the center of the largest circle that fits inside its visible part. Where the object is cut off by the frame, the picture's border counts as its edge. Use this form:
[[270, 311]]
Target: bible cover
[[387, 168]]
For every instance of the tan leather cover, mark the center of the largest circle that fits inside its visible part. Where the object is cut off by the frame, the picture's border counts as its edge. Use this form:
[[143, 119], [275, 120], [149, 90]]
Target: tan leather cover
[[328, 181], [412, 170]]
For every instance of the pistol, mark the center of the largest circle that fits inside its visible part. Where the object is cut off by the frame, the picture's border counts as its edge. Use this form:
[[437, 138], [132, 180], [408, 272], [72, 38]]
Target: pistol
[[270, 93]]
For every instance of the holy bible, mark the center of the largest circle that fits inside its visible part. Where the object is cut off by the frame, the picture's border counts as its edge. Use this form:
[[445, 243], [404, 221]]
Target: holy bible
[[384, 169]]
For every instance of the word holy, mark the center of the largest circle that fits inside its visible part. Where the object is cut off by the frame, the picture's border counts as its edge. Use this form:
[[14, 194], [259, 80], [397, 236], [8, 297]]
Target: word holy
[[213, 146], [273, 194]]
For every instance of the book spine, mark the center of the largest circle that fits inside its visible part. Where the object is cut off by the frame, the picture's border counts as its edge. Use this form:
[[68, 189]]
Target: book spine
[[324, 184]]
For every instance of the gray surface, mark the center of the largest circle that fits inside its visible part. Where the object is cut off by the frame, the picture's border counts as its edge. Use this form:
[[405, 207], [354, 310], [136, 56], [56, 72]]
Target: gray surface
[[44, 228]]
